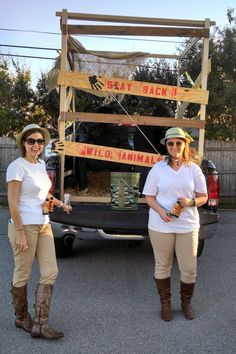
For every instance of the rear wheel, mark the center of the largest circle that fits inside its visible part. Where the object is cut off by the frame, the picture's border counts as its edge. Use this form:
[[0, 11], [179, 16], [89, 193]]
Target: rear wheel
[[64, 246]]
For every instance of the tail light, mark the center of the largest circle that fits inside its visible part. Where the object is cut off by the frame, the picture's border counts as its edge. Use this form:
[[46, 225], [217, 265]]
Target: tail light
[[213, 190], [52, 176]]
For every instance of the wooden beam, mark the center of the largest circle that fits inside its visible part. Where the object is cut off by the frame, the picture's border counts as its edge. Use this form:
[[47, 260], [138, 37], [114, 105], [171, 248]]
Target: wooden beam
[[132, 19], [137, 88], [204, 76], [61, 124], [190, 45], [139, 120], [138, 31]]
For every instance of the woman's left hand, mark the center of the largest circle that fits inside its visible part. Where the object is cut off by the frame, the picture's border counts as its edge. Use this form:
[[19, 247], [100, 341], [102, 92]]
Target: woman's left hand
[[66, 208], [185, 202]]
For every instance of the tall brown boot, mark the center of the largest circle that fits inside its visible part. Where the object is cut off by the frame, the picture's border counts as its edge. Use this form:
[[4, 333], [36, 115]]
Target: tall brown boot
[[42, 305], [186, 291], [23, 318], [163, 287]]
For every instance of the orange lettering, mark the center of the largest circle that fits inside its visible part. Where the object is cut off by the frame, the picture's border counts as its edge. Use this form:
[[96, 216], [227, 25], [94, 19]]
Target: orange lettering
[[123, 156], [158, 91], [109, 85], [108, 154], [116, 85], [89, 150], [173, 92], [130, 157], [163, 91], [145, 89], [122, 86], [139, 158], [100, 153], [151, 92], [129, 86]]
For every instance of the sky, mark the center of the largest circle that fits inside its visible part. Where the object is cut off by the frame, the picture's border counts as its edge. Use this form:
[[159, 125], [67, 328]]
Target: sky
[[39, 16]]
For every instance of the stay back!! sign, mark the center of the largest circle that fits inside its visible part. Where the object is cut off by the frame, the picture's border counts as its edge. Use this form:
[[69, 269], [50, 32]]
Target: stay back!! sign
[[138, 88]]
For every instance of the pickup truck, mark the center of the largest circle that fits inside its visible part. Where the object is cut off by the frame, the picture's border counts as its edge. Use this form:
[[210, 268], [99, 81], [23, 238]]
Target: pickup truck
[[97, 219]]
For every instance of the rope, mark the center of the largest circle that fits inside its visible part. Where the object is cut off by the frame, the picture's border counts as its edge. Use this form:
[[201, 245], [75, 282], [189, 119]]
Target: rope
[[119, 103]]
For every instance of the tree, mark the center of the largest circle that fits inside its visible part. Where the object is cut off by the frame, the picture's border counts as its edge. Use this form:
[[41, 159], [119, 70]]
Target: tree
[[221, 108], [17, 99], [48, 104]]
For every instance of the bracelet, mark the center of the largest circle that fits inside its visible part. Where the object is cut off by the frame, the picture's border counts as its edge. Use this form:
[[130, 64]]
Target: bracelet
[[60, 204], [20, 230], [193, 202]]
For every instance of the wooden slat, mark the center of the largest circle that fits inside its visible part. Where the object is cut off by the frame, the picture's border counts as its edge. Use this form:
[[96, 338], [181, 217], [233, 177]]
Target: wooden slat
[[145, 89], [106, 153], [91, 199], [137, 31], [139, 120], [132, 19]]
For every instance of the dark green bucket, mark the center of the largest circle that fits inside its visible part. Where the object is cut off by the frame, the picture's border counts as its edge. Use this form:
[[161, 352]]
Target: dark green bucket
[[124, 190]]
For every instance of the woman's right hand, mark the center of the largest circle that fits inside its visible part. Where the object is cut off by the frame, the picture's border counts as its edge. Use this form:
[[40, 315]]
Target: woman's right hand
[[151, 201], [21, 241], [164, 216]]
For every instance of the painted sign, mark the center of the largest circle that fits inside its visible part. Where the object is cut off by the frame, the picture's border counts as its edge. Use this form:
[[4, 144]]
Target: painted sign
[[139, 88], [106, 153]]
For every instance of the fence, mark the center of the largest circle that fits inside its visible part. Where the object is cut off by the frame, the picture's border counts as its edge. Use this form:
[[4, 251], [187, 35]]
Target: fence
[[220, 152], [8, 153], [223, 154]]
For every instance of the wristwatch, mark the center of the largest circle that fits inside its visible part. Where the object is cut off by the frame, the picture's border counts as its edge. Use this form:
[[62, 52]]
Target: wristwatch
[[193, 202]]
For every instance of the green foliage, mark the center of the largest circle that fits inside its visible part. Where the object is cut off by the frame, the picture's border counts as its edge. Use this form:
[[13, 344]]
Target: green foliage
[[17, 99], [48, 102]]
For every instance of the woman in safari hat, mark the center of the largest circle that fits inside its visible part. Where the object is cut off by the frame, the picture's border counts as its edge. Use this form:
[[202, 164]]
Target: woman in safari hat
[[30, 232], [174, 188]]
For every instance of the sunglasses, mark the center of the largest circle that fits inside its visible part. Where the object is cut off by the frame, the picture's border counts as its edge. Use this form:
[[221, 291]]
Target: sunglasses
[[31, 141], [172, 143]]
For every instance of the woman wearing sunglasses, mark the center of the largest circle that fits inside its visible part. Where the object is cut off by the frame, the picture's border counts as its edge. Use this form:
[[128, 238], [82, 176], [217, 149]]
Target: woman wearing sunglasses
[[30, 232], [174, 188]]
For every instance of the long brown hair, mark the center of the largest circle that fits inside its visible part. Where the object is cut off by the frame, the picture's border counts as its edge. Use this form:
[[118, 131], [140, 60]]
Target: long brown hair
[[24, 137]]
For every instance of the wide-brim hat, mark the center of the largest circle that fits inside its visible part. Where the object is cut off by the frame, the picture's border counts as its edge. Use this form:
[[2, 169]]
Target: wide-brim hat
[[176, 133], [29, 127]]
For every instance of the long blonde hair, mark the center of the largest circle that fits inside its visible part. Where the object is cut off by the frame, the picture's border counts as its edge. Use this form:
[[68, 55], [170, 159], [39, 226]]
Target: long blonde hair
[[189, 155]]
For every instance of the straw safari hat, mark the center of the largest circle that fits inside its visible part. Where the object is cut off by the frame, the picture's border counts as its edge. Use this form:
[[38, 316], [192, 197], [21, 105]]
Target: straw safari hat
[[29, 127], [176, 133]]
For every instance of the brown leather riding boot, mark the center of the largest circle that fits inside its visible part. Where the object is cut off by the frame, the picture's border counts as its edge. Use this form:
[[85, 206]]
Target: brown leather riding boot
[[42, 305], [186, 292], [23, 318], [163, 287]]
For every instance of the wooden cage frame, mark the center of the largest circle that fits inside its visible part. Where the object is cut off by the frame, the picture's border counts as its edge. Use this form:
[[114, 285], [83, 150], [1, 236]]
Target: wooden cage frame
[[195, 29]]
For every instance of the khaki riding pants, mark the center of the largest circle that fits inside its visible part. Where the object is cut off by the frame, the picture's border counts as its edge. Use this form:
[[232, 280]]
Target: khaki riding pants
[[41, 245], [184, 245]]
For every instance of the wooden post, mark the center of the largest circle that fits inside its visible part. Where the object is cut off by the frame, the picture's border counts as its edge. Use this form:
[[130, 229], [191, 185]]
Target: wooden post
[[61, 121], [205, 58]]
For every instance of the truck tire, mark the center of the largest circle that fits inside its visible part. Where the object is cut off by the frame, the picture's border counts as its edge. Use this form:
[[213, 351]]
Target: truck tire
[[64, 246], [200, 247]]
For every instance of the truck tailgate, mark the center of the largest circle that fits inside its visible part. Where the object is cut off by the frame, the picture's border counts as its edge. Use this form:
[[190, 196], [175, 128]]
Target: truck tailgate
[[101, 216]]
